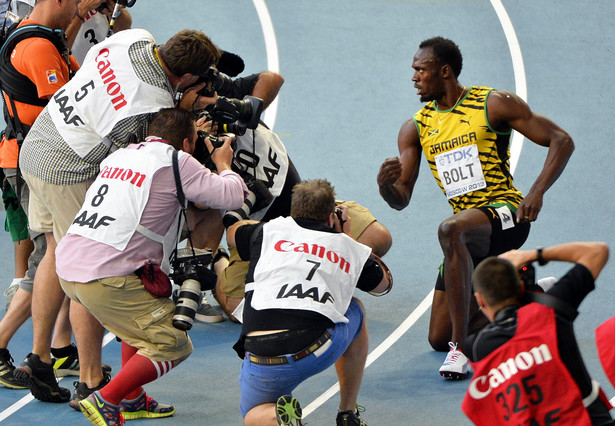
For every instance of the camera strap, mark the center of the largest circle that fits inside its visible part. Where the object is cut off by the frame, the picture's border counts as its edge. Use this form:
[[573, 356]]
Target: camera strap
[[181, 197], [560, 306]]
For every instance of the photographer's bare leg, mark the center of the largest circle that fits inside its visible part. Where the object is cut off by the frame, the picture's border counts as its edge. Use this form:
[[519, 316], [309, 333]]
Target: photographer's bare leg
[[378, 237], [206, 227], [47, 299], [350, 367], [88, 336]]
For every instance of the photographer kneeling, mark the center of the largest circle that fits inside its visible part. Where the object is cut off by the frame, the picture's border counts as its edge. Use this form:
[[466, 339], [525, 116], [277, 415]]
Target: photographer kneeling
[[130, 209], [527, 364], [299, 314]]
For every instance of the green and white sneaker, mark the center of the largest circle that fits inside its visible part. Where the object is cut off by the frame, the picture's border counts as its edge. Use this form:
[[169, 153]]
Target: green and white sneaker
[[288, 411]]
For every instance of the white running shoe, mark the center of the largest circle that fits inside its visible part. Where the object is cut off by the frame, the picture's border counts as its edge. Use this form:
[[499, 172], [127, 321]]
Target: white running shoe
[[456, 365], [546, 283]]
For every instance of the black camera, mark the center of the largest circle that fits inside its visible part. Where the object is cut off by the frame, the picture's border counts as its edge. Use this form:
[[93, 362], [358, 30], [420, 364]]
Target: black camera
[[527, 274], [234, 115], [191, 269], [215, 82], [258, 197], [126, 3], [202, 154]]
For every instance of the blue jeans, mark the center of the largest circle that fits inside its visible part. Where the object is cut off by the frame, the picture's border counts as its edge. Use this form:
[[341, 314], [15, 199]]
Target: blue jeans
[[260, 384]]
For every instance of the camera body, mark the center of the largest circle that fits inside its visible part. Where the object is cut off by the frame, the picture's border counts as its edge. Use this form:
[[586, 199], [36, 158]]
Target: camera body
[[236, 116], [192, 271], [527, 274], [215, 82]]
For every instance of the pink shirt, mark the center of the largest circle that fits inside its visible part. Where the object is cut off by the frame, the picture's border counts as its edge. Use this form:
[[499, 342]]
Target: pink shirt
[[80, 259]]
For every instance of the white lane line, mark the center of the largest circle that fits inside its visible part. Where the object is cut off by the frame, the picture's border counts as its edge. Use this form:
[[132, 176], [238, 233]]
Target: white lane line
[[271, 48], [376, 353], [29, 398], [519, 74], [16, 406], [516, 146]]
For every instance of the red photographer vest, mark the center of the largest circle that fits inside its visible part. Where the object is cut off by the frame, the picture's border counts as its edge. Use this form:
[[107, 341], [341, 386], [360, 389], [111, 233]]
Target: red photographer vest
[[524, 381], [606, 347]]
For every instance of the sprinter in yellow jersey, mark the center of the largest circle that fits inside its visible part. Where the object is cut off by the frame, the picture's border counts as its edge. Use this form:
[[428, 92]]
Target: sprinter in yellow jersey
[[464, 134]]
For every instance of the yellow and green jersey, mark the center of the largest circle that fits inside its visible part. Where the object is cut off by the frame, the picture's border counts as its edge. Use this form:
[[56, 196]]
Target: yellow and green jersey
[[469, 160]]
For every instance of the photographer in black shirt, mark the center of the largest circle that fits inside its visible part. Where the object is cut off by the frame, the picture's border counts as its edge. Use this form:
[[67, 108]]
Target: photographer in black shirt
[[527, 363]]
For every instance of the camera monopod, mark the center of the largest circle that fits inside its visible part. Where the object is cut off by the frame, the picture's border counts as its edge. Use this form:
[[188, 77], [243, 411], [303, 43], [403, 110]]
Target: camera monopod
[[116, 13]]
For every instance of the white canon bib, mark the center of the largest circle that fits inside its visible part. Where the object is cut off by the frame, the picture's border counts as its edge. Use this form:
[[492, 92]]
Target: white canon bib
[[104, 91], [115, 202], [92, 31], [268, 153], [304, 269]]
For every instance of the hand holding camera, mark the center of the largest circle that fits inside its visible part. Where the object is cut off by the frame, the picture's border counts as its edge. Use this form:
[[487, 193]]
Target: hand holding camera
[[341, 220], [220, 150]]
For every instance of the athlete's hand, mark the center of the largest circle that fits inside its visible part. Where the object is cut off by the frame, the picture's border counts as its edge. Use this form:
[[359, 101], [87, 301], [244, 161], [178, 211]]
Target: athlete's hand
[[389, 171], [530, 207]]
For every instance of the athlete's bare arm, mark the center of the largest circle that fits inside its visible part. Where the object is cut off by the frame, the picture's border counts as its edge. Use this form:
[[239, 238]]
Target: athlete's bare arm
[[505, 110], [398, 175]]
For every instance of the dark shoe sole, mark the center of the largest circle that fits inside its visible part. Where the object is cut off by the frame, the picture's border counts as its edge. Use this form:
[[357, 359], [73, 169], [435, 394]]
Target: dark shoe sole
[[453, 376], [41, 390], [13, 384]]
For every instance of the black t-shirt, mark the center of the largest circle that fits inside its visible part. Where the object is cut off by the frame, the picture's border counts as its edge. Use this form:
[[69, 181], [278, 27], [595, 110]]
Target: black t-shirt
[[571, 289]]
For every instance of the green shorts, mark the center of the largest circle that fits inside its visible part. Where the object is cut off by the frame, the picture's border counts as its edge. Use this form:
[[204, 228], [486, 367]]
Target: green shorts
[[16, 222]]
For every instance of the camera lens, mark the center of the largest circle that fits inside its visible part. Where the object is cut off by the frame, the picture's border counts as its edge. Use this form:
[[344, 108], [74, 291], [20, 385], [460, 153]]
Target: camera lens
[[187, 303]]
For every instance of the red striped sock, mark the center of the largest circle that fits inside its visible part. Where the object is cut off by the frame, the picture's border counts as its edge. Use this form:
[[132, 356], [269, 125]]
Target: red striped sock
[[137, 371], [127, 353]]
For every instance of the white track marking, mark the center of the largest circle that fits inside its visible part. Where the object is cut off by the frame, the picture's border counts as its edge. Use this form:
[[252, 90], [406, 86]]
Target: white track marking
[[271, 48], [516, 146], [519, 74]]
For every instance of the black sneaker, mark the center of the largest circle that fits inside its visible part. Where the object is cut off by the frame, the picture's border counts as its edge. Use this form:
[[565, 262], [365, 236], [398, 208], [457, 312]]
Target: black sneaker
[[82, 390], [6, 372], [350, 418], [41, 380], [69, 366]]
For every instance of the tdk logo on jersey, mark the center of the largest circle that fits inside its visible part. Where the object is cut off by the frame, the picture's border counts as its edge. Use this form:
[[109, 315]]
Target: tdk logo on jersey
[[455, 156], [452, 143], [482, 386], [297, 291]]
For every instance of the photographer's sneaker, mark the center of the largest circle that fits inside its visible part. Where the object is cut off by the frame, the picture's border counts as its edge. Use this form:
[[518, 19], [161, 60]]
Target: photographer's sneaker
[[82, 391], [100, 412], [207, 313], [456, 365], [350, 418], [288, 411], [144, 407], [69, 366], [41, 380], [6, 372]]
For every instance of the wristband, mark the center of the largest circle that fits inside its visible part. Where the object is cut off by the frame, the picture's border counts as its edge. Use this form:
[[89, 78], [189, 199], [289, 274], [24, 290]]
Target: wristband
[[80, 17], [541, 260]]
